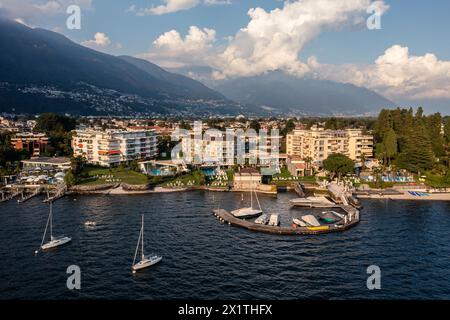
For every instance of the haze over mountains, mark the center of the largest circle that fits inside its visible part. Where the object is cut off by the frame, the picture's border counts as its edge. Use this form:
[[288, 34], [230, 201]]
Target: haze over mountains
[[44, 71], [289, 94]]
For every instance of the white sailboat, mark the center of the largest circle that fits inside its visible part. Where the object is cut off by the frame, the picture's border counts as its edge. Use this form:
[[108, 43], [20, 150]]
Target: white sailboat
[[54, 241], [249, 212], [146, 261]]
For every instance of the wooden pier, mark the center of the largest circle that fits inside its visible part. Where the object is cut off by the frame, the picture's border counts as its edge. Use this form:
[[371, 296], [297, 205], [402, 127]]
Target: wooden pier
[[351, 219]]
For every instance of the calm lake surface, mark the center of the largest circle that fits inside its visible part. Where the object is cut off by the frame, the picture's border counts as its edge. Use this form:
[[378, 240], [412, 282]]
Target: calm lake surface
[[203, 259]]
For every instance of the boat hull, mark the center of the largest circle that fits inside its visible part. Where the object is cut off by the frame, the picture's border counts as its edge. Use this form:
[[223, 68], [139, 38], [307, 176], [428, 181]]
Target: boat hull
[[56, 243], [246, 213], [146, 263]]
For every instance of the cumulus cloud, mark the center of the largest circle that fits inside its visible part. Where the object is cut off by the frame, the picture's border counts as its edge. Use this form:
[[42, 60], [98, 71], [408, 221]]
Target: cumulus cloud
[[100, 40], [273, 40], [396, 74], [170, 6], [172, 50]]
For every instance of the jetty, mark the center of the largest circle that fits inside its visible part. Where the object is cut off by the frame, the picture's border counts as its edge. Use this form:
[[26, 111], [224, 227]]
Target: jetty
[[59, 193], [351, 218], [27, 197]]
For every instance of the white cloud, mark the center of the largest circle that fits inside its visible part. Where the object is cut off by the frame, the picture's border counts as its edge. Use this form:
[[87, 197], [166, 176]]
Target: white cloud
[[396, 74], [171, 50], [171, 6], [100, 40], [273, 40]]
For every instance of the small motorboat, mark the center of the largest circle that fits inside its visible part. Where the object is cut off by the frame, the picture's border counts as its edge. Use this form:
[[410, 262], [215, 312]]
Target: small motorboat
[[312, 202], [311, 221], [274, 220], [263, 219], [90, 223], [329, 217]]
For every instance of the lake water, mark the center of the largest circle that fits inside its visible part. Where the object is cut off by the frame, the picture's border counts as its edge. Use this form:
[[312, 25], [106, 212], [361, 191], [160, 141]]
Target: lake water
[[203, 259]]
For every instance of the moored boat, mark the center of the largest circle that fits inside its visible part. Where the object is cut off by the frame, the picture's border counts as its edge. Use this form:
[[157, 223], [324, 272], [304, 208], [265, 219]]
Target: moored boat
[[263, 219], [311, 220], [313, 202], [54, 241], [146, 261], [274, 220]]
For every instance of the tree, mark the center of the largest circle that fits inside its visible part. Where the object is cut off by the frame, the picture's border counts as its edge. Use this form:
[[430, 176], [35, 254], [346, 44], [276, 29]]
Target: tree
[[255, 125], [290, 125], [70, 179], [339, 164], [77, 164], [52, 122], [417, 155], [390, 144]]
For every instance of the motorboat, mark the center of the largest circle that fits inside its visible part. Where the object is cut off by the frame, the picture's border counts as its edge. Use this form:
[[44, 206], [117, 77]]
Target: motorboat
[[299, 222], [313, 202], [311, 221], [263, 219], [274, 220]]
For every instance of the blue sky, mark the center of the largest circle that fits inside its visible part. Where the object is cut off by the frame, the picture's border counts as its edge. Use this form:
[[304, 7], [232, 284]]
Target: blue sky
[[422, 26]]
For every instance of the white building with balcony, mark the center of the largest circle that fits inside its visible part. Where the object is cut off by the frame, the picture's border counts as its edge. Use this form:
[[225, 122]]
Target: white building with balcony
[[113, 147]]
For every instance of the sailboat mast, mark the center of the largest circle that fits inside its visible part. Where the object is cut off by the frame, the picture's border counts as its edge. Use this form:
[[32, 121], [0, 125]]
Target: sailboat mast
[[51, 221], [142, 237], [251, 193]]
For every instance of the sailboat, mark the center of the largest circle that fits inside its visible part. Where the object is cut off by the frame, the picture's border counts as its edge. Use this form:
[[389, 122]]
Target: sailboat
[[249, 212], [54, 241], [146, 261]]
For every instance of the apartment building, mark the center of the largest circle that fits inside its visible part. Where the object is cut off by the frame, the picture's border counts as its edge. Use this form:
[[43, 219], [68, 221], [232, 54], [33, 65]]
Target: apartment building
[[35, 143], [215, 148], [113, 147], [317, 144]]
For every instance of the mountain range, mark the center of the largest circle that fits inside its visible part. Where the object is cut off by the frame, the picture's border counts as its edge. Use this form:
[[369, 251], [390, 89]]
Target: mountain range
[[42, 71]]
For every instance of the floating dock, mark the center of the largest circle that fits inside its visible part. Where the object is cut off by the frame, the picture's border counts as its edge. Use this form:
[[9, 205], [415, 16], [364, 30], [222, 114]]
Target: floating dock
[[351, 219]]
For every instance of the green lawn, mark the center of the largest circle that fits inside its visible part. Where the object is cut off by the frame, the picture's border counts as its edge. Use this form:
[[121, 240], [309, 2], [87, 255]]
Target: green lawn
[[126, 176], [195, 178]]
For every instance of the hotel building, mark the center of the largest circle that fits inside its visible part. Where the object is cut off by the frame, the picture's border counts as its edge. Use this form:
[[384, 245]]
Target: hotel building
[[317, 144], [111, 148]]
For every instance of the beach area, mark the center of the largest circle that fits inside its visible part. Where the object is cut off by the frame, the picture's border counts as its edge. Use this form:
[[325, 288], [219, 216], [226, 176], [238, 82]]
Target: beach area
[[408, 195]]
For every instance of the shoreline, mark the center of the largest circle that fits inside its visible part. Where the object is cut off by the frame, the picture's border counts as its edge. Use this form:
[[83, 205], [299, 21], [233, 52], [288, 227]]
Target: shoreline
[[444, 196]]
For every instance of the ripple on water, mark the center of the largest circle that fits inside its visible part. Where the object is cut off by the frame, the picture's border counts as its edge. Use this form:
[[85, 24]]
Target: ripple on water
[[207, 260]]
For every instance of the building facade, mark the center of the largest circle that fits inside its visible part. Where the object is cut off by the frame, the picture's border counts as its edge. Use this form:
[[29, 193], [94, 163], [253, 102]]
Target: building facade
[[35, 143], [111, 148], [317, 144]]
